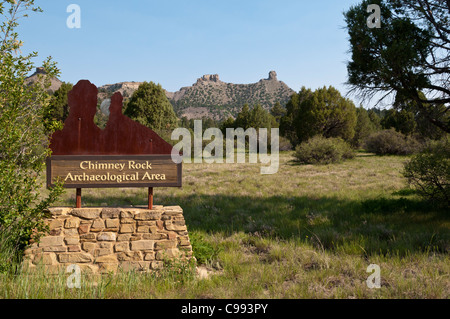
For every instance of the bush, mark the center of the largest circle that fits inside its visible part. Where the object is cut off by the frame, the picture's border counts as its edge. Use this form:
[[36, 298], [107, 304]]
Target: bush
[[429, 172], [285, 144], [391, 142], [321, 150]]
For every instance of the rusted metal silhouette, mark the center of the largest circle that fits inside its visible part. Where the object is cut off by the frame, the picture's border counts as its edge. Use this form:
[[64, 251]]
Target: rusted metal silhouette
[[121, 136]]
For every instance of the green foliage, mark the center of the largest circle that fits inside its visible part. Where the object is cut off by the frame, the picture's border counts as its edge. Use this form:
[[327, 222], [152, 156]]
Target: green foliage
[[58, 108], [364, 127], [408, 55], [323, 112], [243, 118], [402, 121], [375, 118], [277, 111], [321, 150], [289, 121], [284, 144], [149, 106], [391, 142], [429, 172], [204, 252], [257, 118], [21, 135]]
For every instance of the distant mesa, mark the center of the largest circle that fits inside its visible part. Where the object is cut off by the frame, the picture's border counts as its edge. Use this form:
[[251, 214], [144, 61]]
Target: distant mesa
[[55, 83], [209, 78], [207, 97]]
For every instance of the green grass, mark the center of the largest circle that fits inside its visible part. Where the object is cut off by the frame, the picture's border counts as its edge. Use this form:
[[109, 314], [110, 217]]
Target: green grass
[[305, 232]]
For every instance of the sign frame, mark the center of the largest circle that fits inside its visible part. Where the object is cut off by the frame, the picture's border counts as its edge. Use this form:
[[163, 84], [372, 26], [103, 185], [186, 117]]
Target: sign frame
[[148, 157]]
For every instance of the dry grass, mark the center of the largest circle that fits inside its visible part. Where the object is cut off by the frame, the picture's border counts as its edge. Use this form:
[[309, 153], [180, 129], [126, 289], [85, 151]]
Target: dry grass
[[305, 232]]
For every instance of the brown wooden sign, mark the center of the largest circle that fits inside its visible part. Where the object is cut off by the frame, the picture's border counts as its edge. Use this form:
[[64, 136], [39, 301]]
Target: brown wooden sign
[[124, 154], [113, 171]]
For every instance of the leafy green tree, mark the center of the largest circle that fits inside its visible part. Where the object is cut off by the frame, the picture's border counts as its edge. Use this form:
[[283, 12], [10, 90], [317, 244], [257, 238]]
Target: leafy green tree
[[260, 118], [228, 123], [375, 118], [402, 121], [288, 122], [243, 118], [364, 127], [323, 112], [277, 111], [58, 108], [409, 54], [149, 106], [22, 207]]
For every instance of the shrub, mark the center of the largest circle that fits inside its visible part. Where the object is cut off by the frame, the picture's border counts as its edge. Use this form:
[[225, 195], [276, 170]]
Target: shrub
[[429, 172], [285, 144], [321, 150], [391, 142]]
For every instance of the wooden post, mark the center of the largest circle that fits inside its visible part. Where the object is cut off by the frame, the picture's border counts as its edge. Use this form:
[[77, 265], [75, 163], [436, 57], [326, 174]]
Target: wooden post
[[78, 198], [150, 198]]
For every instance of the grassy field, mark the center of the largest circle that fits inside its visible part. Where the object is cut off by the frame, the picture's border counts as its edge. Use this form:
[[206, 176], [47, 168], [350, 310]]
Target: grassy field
[[305, 232]]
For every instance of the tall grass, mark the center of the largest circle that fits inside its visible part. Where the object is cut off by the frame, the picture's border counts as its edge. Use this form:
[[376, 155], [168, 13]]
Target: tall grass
[[306, 232]]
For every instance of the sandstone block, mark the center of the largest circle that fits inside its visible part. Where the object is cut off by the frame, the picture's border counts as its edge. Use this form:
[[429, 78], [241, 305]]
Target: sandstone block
[[106, 237], [110, 213], [73, 222], [142, 245], [143, 229], [71, 232], [122, 246], [73, 248], [72, 240], [56, 249], [89, 247], [184, 241], [101, 252], [166, 244], [146, 223], [51, 241], [129, 256], [174, 227], [57, 211], [98, 225], [45, 259], [154, 236], [148, 215], [56, 223], [74, 258], [87, 237], [84, 229], [106, 259], [127, 220], [87, 213], [112, 223], [149, 256], [167, 254], [127, 213], [127, 228], [135, 265], [124, 237]]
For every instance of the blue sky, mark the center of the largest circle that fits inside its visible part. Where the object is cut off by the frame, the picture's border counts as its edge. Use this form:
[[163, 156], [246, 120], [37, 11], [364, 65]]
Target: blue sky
[[175, 42]]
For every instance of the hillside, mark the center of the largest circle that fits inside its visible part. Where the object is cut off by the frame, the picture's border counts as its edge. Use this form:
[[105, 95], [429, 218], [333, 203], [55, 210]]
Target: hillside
[[219, 99], [210, 97], [55, 82]]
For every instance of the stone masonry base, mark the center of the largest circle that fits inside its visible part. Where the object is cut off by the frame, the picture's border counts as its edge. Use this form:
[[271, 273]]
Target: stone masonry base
[[110, 239]]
